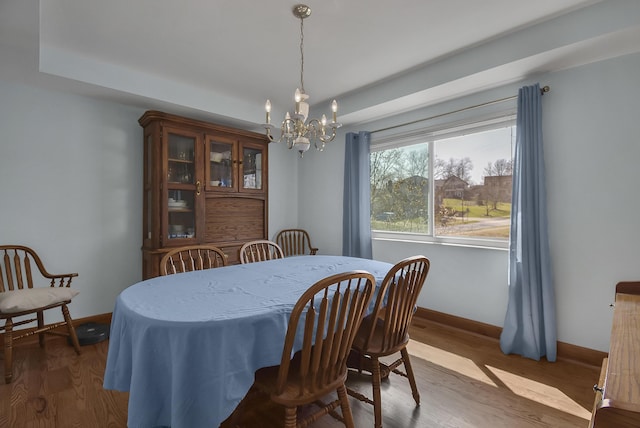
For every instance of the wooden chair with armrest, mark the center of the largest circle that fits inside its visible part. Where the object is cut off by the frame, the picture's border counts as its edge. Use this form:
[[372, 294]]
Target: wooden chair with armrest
[[326, 317], [295, 242], [192, 257], [386, 330], [260, 250], [19, 297]]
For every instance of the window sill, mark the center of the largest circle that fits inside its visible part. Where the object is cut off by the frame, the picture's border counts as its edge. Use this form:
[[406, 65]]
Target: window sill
[[486, 244]]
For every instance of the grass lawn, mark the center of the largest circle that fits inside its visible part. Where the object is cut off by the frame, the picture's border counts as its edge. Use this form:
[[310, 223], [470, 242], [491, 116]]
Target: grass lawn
[[474, 222]]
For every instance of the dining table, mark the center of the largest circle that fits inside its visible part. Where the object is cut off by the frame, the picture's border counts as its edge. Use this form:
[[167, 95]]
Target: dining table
[[186, 346]]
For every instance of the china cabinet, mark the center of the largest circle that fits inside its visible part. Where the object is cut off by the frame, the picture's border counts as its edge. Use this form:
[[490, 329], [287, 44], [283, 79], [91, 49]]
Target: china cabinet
[[203, 183]]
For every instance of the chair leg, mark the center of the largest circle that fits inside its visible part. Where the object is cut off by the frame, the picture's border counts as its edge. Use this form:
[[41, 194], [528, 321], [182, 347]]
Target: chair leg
[[40, 316], [360, 361], [410, 376], [290, 417], [71, 329], [377, 401], [344, 406], [8, 350]]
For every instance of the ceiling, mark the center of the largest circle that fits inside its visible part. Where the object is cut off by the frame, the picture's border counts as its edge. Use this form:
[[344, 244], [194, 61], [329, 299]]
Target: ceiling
[[221, 59]]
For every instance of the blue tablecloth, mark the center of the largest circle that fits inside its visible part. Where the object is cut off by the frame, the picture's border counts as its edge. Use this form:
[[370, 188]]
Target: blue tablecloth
[[186, 346]]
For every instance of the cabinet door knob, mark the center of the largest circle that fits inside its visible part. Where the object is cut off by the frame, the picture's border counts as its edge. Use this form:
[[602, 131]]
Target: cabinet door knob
[[198, 187], [597, 388]]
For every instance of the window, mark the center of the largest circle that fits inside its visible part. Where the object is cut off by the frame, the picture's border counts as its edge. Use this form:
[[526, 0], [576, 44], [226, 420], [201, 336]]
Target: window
[[451, 184]]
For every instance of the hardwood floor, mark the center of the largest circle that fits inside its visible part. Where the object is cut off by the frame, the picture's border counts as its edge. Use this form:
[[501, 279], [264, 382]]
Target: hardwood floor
[[464, 381], [54, 387]]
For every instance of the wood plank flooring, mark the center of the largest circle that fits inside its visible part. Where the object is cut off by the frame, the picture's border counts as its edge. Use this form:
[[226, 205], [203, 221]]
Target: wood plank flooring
[[464, 382]]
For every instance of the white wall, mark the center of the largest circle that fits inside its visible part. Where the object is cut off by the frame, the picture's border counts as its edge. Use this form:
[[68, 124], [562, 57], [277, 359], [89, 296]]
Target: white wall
[[283, 188], [71, 188], [592, 149], [591, 128]]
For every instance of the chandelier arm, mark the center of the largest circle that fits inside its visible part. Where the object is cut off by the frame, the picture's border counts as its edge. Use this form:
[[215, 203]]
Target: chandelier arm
[[288, 132], [319, 130], [320, 134], [289, 141], [329, 139]]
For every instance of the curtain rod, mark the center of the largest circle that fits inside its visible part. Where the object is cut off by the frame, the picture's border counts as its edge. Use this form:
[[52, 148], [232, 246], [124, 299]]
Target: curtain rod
[[543, 90]]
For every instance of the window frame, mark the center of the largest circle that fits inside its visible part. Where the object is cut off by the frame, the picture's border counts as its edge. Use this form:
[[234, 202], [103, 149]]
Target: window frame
[[430, 135]]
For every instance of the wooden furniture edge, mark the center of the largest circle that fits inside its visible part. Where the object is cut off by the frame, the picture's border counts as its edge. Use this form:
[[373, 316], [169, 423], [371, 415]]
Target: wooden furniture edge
[[150, 115], [628, 287], [617, 404], [565, 351], [598, 393], [99, 319]]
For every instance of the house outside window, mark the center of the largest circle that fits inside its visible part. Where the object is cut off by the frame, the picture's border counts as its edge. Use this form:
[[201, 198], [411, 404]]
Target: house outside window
[[451, 184]]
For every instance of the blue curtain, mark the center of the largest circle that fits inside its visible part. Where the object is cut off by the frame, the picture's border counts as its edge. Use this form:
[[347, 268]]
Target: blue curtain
[[530, 322], [356, 220]]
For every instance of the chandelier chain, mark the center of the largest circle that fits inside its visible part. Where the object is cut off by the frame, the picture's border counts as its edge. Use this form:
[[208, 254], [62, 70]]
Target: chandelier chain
[[302, 55]]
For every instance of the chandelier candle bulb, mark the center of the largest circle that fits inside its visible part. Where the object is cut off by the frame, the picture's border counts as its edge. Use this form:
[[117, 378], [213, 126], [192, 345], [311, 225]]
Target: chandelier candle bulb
[[267, 108], [334, 109]]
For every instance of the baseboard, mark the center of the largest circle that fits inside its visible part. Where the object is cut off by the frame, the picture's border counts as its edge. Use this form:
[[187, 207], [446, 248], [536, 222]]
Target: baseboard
[[465, 324], [99, 319], [565, 351]]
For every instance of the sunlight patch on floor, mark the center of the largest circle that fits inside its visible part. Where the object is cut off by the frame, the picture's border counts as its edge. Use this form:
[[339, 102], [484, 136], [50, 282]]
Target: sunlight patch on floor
[[541, 393], [449, 360], [536, 391]]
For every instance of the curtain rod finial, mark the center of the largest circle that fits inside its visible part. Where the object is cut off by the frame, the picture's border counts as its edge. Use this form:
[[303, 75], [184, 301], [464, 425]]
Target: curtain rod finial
[[544, 89]]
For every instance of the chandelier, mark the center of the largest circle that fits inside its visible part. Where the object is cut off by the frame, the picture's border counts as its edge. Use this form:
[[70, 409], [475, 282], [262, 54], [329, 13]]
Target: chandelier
[[295, 130]]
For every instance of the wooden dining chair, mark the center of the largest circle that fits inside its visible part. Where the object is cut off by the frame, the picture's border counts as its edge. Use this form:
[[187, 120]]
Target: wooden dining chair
[[386, 330], [295, 242], [324, 321], [19, 297], [260, 250], [192, 257]]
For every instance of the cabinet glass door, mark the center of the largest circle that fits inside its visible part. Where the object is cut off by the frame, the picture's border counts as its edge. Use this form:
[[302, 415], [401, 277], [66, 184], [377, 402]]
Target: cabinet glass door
[[181, 214], [182, 186], [181, 164], [220, 165], [252, 167]]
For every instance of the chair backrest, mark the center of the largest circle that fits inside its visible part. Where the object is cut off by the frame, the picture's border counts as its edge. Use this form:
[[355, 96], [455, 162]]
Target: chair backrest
[[295, 242], [190, 258], [396, 303], [327, 316], [16, 269], [260, 250]]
